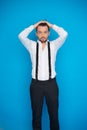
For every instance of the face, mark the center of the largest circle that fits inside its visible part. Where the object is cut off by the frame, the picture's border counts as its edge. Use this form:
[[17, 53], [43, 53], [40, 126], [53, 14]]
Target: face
[[42, 33]]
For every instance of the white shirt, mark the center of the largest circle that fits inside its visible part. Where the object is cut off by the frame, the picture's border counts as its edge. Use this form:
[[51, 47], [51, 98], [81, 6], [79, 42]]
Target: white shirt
[[30, 45]]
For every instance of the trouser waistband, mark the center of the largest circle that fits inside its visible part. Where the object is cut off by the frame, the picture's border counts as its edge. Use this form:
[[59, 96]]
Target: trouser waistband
[[43, 80]]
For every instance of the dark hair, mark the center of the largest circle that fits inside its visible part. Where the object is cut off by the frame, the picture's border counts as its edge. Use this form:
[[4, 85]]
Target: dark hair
[[43, 24]]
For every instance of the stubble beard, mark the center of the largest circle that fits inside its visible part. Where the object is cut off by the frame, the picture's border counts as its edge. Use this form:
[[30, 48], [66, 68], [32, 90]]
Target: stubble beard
[[43, 40]]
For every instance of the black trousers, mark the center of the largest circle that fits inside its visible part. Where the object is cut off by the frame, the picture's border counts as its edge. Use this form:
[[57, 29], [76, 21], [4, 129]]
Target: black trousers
[[49, 89]]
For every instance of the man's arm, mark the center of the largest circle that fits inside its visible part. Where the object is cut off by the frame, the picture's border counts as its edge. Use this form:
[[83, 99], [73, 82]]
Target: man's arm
[[62, 35], [23, 36]]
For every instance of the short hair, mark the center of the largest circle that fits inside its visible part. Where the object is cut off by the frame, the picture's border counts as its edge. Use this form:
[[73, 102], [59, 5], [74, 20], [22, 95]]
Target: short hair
[[43, 24]]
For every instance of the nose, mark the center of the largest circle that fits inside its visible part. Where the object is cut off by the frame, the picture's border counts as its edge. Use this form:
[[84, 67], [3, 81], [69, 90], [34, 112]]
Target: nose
[[42, 35]]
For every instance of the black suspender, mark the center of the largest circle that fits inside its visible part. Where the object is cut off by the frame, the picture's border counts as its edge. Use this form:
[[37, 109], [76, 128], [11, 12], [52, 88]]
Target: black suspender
[[49, 60], [37, 56]]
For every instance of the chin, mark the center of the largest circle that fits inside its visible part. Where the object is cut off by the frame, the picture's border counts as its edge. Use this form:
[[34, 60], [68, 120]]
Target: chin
[[43, 41]]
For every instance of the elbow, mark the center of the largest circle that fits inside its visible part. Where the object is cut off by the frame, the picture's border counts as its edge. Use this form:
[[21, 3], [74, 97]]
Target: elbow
[[19, 36], [66, 34]]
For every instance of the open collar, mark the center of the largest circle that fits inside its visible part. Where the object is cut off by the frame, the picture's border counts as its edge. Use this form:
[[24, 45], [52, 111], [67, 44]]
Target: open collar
[[41, 43]]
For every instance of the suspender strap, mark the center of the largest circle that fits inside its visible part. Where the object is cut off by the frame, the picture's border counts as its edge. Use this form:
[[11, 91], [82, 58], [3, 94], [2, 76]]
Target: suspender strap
[[49, 60], [37, 56]]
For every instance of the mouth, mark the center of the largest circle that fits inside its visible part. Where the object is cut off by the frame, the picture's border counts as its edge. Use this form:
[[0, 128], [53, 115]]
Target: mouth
[[43, 38]]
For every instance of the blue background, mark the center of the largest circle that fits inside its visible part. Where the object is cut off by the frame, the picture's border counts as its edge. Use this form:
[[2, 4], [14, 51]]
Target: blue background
[[15, 63]]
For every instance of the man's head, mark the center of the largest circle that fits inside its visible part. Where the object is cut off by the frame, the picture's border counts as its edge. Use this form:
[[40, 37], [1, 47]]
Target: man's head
[[42, 32]]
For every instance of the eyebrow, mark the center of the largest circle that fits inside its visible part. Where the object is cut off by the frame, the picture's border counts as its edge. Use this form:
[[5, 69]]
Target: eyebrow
[[41, 32]]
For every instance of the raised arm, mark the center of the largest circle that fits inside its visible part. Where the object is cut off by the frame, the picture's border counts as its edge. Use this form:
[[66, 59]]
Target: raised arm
[[62, 35], [23, 36]]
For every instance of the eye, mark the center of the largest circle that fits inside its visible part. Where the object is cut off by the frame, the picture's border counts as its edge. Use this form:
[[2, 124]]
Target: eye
[[46, 32], [39, 32]]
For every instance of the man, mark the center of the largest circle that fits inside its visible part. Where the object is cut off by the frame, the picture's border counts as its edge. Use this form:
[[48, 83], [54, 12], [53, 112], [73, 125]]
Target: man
[[43, 56]]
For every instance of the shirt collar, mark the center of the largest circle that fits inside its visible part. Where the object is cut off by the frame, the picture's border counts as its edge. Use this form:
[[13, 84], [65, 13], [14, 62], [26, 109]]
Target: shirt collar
[[41, 43]]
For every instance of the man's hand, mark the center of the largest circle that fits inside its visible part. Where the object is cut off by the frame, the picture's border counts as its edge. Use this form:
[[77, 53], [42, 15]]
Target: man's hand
[[35, 25], [43, 21], [49, 24]]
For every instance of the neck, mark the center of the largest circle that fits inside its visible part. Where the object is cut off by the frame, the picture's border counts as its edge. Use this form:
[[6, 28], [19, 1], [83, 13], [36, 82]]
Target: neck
[[43, 43]]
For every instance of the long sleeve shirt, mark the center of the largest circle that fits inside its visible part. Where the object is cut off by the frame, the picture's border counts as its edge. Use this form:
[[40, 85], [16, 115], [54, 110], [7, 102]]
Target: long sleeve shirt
[[30, 45]]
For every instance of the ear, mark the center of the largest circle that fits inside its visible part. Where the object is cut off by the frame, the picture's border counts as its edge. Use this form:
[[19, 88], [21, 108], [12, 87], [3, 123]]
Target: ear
[[36, 34], [49, 33]]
